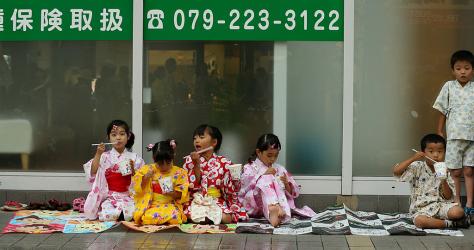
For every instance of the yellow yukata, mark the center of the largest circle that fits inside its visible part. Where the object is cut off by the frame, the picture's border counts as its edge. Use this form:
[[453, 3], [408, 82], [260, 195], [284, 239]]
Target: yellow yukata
[[153, 206]]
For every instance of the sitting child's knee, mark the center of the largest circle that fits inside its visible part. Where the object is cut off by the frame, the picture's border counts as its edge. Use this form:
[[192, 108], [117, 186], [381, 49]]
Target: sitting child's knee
[[455, 213], [418, 222]]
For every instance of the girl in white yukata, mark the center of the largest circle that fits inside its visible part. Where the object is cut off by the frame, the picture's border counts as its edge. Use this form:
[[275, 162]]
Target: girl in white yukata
[[110, 174], [266, 187]]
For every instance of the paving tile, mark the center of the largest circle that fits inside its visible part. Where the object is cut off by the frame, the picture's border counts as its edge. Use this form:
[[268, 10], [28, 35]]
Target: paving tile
[[308, 237], [10, 239], [258, 247], [24, 245], [57, 239], [48, 247], [180, 247], [389, 242], [284, 245], [409, 242], [101, 246], [81, 240], [152, 246], [35, 238], [183, 237], [259, 237], [208, 240], [433, 242], [333, 241], [75, 246], [310, 248], [226, 240], [361, 248], [209, 236], [137, 236], [388, 248], [231, 247], [156, 240], [210, 247], [336, 248], [283, 238], [358, 241]]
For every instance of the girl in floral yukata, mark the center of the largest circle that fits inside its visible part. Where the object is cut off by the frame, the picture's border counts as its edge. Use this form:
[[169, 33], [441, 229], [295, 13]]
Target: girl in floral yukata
[[160, 188], [267, 188], [213, 191], [110, 174]]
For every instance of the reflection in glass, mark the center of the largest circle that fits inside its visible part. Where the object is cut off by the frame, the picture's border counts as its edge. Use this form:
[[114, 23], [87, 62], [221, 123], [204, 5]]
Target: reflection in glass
[[68, 91], [226, 84], [402, 53], [314, 113]]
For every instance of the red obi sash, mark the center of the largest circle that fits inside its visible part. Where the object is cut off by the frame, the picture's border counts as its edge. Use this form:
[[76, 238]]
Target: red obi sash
[[157, 188], [117, 182]]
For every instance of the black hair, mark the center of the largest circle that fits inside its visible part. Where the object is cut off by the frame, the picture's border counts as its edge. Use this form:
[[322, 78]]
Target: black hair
[[462, 55], [265, 142], [163, 151], [431, 138], [124, 125], [214, 132]]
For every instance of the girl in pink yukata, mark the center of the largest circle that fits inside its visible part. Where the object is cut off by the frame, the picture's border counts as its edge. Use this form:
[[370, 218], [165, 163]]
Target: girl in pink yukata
[[266, 187], [110, 174]]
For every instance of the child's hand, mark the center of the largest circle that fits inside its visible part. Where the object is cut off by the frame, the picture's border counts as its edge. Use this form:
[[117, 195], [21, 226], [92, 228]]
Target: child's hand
[[270, 171], [100, 149], [284, 179], [150, 173], [175, 194], [132, 166], [195, 157], [418, 155]]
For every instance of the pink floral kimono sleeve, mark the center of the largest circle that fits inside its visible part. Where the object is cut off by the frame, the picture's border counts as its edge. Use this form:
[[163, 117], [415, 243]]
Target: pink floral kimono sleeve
[[248, 182]]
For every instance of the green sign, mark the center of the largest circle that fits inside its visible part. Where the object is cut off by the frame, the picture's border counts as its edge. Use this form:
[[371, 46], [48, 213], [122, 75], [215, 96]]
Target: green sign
[[22, 20], [285, 20], [271, 20]]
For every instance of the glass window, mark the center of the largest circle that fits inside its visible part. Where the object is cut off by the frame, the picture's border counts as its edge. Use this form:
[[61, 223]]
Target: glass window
[[314, 108], [63, 93], [402, 53], [225, 84]]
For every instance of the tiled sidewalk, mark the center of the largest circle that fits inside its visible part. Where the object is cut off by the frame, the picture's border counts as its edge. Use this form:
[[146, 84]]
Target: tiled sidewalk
[[121, 238]]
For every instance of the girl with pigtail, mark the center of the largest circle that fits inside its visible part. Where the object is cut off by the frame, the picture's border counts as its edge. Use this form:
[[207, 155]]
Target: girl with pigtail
[[109, 174], [267, 188], [160, 188]]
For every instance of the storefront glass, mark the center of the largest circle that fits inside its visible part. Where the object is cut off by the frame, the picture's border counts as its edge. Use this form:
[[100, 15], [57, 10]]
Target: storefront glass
[[402, 53], [226, 84], [66, 92], [314, 108]]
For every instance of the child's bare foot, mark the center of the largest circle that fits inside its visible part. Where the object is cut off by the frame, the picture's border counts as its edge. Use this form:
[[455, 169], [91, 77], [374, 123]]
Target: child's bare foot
[[281, 212], [274, 218], [226, 218]]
